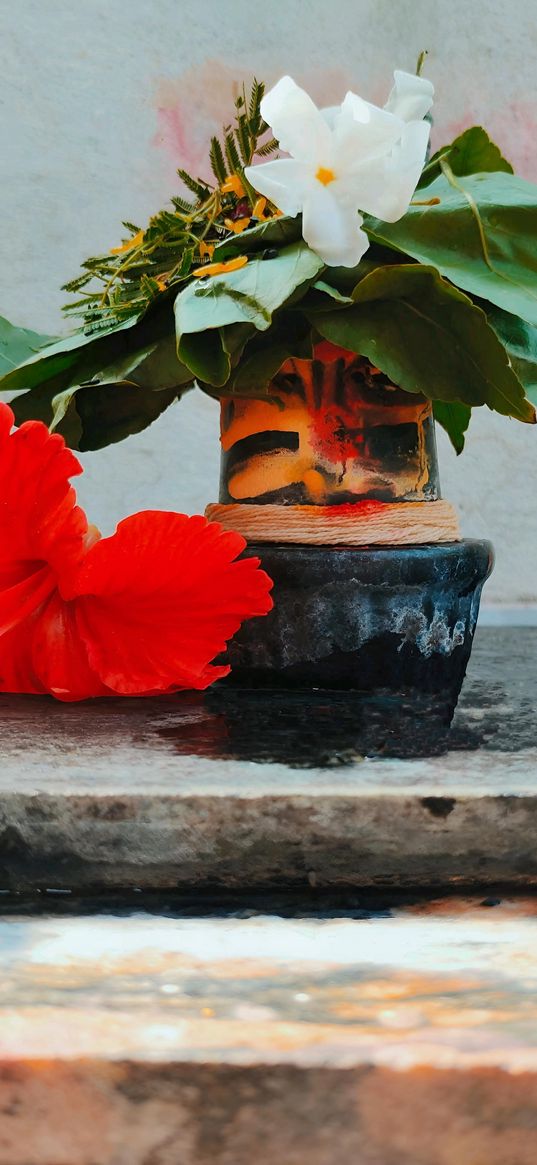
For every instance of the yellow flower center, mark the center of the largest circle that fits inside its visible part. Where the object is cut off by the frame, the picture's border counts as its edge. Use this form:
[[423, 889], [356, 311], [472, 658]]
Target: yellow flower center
[[325, 176]]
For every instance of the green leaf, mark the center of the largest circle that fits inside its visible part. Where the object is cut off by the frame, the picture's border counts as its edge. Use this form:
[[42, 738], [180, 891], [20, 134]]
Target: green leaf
[[520, 342], [263, 356], [156, 367], [123, 399], [18, 344], [205, 355], [92, 417], [454, 418], [68, 360], [326, 289], [275, 232], [472, 152], [427, 337], [248, 295], [483, 237], [340, 282]]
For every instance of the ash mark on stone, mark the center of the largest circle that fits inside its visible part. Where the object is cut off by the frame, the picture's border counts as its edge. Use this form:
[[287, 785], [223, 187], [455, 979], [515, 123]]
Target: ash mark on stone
[[439, 806]]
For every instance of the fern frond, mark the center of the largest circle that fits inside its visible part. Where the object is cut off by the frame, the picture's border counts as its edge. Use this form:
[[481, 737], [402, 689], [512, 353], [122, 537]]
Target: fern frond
[[243, 138], [218, 166], [232, 153], [256, 97], [194, 184], [182, 204], [268, 148], [76, 284]]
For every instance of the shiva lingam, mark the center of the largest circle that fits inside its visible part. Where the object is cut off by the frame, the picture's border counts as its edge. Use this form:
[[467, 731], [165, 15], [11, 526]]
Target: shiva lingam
[[333, 480]]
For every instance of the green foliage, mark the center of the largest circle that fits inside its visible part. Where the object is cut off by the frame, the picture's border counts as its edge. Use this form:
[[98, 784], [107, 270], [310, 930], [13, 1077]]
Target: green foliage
[[126, 396], [69, 361], [427, 337], [264, 354], [18, 344], [482, 235], [472, 152], [249, 295], [124, 283], [520, 342], [444, 302], [275, 233], [454, 418]]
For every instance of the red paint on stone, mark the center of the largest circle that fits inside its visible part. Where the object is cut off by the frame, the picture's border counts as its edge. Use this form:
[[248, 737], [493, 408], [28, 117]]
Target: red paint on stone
[[362, 509]]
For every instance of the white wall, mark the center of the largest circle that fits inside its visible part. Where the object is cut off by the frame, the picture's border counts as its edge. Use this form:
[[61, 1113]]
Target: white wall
[[101, 100]]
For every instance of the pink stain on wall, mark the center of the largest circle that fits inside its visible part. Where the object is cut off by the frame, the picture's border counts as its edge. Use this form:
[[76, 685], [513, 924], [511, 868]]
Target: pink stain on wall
[[192, 107], [514, 129]]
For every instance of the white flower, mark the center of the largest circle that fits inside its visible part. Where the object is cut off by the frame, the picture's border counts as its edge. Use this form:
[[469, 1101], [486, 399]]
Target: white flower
[[349, 158]]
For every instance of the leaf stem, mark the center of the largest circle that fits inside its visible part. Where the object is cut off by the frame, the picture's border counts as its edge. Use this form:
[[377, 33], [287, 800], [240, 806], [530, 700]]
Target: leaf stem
[[448, 173]]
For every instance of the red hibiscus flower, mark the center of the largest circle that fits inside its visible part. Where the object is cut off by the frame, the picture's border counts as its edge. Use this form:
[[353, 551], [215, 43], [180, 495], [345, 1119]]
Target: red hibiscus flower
[[142, 612]]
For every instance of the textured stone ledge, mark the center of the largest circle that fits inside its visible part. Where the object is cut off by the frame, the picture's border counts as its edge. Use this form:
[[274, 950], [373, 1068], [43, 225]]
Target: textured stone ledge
[[407, 1040], [243, 789]]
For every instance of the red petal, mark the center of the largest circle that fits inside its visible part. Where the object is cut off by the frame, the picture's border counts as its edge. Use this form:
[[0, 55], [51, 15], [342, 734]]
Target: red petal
[[59, 654], [44, 653], [16, 665], [23, 596], [160, 599], [39, 519]]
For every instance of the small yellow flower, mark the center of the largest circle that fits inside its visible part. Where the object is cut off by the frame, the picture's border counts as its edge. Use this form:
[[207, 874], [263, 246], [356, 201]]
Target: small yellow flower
[[129, 245], [206, 250], [161, 285], [221, 268], [236, 225], [259, 208], [233, 185]]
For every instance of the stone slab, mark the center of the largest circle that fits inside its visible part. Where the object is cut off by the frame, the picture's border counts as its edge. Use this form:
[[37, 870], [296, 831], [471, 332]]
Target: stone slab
[[402, 1040], [264, 789]]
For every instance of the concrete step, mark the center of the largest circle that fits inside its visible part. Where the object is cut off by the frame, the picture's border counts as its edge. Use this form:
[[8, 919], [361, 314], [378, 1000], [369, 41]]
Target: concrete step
[[255, 789], [408, 1039]]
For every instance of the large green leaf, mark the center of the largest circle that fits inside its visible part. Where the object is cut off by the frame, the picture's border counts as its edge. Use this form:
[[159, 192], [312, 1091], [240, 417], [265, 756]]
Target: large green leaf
[[249, 295], [427, 337], [18, 344], [520, 342], [108, 414], [482, 236], [263, 356], [454, 418], [124, 399], [472, 152], [69, 360], [206, 356], [211, 355]]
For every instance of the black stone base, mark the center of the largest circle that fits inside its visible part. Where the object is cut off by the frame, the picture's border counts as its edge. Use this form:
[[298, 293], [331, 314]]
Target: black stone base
[[389, 621]]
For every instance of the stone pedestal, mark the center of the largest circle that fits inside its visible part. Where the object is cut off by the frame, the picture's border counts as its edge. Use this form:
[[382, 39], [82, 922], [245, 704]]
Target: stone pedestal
[[333, 480]]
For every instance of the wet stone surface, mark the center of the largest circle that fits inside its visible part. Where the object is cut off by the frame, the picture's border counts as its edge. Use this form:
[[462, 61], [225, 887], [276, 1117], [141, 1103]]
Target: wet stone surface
[[243, 789]]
